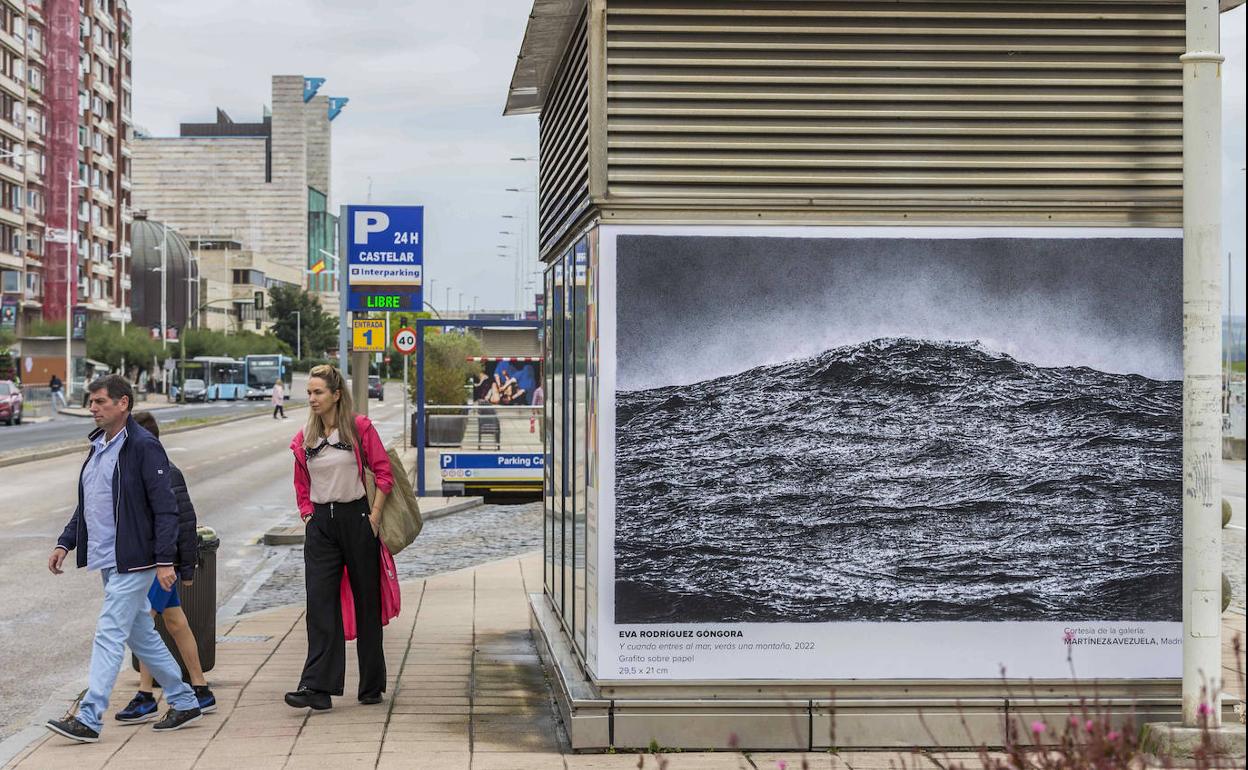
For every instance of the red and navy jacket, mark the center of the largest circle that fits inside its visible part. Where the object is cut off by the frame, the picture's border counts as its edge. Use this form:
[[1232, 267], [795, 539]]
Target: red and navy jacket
[[145, 511]]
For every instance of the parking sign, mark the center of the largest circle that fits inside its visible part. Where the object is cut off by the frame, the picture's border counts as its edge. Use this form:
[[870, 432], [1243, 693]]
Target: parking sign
[[385, 257]]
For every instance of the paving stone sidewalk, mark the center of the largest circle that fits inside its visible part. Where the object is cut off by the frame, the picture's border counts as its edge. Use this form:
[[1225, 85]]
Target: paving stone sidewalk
[[482, 534], [466, 692]]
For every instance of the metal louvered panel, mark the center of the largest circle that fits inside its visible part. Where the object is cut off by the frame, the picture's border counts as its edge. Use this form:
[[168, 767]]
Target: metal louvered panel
[[564, 143], [1058, 111]]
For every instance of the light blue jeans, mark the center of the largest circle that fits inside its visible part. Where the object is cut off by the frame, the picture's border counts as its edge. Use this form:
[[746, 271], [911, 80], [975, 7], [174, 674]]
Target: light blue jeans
[[124, 620]]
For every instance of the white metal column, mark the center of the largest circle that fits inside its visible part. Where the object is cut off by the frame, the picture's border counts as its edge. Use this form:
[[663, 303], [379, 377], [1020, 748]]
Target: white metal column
[[1202, 356]]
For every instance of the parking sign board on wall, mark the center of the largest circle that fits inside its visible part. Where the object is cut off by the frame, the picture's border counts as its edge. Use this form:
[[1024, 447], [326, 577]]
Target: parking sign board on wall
[[385, 257]]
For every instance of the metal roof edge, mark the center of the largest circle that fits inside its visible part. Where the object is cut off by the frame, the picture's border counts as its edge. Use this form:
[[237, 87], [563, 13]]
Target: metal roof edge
[[545, 38]]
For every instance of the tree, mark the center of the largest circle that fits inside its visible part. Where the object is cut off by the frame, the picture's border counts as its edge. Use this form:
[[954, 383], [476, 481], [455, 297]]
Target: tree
[[447, 368], [206, 342], [106, 343], [319, 330]]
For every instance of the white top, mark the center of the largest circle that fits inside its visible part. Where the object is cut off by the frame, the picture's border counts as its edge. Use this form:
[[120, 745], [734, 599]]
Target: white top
[[334, 474]]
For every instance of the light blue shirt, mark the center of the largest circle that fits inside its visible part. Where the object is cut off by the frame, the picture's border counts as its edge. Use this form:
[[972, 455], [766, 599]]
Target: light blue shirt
[[97, 502]]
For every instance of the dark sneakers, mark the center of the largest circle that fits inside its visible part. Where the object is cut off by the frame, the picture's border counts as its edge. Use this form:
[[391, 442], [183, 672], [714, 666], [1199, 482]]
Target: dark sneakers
[[176, 720], [72, 729], [371, 699], [309, 699], [207, 701], [141, 708]]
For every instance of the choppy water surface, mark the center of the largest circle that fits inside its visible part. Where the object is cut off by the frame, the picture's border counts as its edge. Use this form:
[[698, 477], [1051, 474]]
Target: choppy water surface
[[900, 480]]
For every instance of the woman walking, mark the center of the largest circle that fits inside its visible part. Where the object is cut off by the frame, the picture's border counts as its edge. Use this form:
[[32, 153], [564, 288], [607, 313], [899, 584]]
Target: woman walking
[[331, 453], [279, 400]]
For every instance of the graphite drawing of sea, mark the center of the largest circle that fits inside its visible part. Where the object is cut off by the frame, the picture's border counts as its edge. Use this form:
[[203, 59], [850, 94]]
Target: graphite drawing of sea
[[900, 480]]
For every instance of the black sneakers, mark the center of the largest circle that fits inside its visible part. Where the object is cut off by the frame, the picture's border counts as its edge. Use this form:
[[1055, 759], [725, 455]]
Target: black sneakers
[[371, 699], [207, 701], [176, 720], [72, 729], [141, 708], [309, 699]]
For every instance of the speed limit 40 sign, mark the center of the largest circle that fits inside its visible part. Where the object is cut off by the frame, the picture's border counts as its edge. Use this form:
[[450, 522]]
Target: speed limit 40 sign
[[405, 340]]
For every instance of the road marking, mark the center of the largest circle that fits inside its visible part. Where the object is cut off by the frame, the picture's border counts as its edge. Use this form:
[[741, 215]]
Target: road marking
[[19, 521]]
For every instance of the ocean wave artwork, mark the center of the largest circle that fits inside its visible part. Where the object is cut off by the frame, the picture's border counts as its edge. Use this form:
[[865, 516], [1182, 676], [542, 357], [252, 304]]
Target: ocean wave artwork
[[901, 480]]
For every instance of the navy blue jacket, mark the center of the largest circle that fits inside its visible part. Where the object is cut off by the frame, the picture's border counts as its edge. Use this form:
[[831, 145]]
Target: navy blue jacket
[[188, 538], [144, 509]]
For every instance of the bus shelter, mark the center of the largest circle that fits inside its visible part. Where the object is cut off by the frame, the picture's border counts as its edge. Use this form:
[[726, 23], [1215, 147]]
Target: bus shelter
[[489, 443], [864, 333]]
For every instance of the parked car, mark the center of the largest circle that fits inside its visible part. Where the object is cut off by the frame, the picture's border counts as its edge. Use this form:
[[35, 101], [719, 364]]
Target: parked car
[[196, 390], [375, 389], [10, 402]]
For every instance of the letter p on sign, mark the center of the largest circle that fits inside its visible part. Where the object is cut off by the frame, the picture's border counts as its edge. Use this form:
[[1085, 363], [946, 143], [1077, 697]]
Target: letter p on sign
[[367, 223]]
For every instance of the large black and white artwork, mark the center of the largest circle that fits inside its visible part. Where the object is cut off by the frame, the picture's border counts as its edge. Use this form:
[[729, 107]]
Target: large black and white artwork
[[817, 430]]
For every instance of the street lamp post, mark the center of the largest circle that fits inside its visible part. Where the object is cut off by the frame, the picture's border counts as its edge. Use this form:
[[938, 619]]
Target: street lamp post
[[516, 271], [164, 283], [298, 335], [527, 248], [121, 301], [71, 294]]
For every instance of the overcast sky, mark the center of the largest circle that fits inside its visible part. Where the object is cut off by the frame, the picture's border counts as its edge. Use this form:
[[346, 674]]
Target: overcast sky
[[427, 81]]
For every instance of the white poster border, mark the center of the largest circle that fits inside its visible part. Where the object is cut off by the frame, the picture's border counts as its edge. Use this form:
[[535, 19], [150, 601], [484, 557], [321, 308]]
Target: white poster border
[[859, 651]]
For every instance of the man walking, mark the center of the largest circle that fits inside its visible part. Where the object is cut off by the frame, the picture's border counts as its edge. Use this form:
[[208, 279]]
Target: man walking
[[56, 388], [125, 526]]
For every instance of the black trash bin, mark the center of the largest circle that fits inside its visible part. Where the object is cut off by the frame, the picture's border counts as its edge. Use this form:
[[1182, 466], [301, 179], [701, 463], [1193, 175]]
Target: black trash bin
[[199, 604]]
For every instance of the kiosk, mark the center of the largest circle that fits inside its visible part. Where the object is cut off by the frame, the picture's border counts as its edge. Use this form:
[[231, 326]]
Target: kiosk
[[863, 339]]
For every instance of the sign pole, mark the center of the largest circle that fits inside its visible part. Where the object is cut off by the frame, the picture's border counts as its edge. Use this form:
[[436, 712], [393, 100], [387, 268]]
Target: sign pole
[[344, 291], [420, 408], [405, 343], [359, 378]]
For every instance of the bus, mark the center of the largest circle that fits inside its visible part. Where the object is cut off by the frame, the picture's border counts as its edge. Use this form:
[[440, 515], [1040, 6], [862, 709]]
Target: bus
[[262, 371], [224, 377]]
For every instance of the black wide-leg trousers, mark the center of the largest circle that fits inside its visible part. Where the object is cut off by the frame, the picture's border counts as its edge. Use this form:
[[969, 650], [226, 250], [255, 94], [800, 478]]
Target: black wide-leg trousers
[[339, 534]]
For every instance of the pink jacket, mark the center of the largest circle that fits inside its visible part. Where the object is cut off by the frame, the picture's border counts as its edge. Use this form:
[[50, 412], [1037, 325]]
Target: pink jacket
[[374, 454]]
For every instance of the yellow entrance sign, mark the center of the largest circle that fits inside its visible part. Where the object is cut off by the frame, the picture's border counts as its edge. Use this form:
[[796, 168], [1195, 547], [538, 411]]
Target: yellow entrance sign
[[368, 334]]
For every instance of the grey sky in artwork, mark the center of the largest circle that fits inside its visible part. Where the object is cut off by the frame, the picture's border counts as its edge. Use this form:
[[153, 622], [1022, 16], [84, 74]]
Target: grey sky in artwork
[[693, 308]]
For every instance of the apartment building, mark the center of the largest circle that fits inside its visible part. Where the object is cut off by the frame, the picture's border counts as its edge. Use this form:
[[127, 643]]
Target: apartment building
[[65, 130]]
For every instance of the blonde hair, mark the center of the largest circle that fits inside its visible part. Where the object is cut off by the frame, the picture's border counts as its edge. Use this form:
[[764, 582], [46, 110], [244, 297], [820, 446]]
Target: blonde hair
[[313, 432]]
